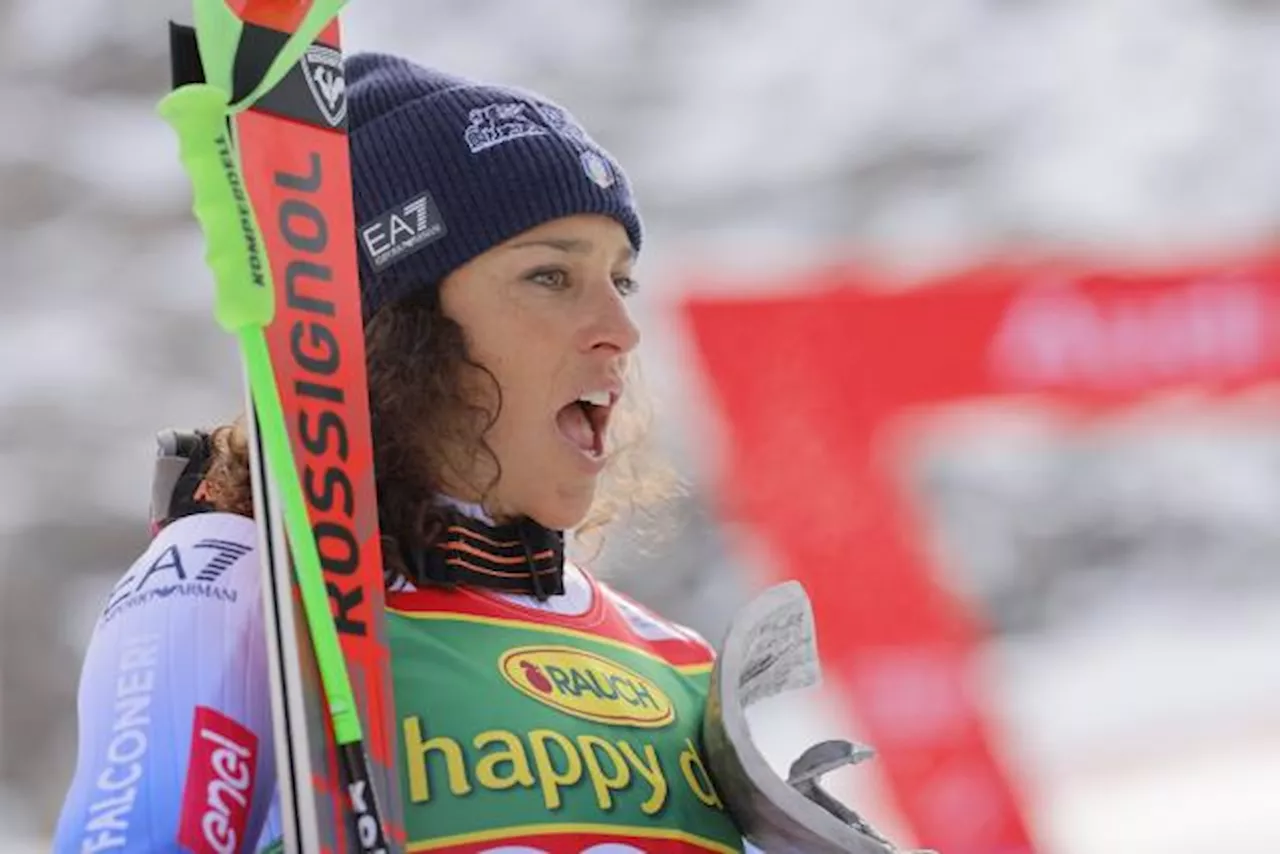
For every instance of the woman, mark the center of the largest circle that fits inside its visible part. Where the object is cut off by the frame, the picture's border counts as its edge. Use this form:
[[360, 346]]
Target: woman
[[538, 708]]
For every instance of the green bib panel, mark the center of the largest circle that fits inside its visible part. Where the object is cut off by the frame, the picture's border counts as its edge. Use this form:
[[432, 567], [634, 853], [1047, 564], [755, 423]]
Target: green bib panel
[[524, 732]]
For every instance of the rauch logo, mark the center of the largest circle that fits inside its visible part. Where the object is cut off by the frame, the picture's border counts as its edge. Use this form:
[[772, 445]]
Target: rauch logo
[[586, 686], [219, 787]]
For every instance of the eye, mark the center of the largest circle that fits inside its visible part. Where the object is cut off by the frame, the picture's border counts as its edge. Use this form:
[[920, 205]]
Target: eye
[[626, 285], [552, 278]]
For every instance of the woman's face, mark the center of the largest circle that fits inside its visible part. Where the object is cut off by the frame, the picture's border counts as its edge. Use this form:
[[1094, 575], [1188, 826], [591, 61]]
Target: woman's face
[[545, 314]]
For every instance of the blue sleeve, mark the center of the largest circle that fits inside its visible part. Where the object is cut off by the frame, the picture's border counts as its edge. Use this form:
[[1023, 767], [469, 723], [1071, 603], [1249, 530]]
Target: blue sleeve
[[175, 739]]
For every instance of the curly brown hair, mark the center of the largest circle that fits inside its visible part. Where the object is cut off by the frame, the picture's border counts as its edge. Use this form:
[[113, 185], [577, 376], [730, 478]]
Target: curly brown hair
[[417, 413]]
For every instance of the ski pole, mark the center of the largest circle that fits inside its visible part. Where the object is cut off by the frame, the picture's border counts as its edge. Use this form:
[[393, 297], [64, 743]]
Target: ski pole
[[201, 115]]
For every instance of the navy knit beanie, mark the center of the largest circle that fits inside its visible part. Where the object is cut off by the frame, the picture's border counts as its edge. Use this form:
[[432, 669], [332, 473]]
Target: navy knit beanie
[[444, 168]]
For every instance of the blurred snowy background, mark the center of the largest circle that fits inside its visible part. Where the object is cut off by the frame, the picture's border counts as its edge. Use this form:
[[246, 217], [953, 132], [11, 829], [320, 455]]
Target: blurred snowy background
[[764, 137]]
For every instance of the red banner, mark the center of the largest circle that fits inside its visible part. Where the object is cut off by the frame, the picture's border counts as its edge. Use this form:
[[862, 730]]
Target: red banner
[[812, 388]]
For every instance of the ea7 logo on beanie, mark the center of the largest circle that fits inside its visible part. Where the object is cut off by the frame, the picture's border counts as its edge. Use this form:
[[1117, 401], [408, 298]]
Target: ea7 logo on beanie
[[402, 231]]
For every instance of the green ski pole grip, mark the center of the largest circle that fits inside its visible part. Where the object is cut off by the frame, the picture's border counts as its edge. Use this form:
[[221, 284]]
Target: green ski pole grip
[[242, 277]]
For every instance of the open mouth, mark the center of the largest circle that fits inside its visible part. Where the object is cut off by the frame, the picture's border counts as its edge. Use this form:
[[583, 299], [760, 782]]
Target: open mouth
[[585, 421]]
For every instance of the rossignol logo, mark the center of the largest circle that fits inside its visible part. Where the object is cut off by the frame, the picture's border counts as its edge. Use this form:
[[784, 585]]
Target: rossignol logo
[[322, 69], [219, 785], [195, 572], [586, 686], [402, 231], [318, 364]]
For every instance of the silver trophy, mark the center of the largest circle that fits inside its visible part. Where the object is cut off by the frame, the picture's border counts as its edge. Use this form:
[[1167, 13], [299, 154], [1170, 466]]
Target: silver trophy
[[770, 649]]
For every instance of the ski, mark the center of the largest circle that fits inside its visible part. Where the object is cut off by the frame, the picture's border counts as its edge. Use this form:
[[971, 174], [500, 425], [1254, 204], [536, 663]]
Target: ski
[[281, 244]]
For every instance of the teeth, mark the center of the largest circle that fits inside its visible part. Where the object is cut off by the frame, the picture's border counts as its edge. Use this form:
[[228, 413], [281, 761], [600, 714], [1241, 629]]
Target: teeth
[[596, 398]]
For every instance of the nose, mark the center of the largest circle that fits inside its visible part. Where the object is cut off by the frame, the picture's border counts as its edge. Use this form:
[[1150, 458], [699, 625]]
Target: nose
[[610, 326]]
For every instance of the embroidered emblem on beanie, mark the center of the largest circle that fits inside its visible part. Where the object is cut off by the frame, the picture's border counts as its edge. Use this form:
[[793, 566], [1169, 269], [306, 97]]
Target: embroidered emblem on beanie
[[498, 123], [402, 231], [559, 122], [597, 169]]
